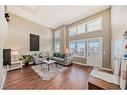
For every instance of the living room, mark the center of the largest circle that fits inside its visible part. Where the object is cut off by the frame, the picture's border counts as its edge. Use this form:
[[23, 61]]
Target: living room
[[62, 47]]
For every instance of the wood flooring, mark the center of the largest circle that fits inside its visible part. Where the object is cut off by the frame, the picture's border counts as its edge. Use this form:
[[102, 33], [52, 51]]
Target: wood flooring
[[76, 77]]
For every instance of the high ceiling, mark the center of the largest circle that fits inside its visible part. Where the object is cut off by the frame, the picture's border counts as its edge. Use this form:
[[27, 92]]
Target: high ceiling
[[55, 16]]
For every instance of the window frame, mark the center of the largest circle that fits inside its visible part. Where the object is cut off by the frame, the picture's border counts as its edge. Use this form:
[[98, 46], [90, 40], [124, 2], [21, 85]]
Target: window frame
[[58, 31], [81, 25], [76, 27], [55, 48], [85, 43], [92, 22], [71, 28], [57, 40], [85, 23]]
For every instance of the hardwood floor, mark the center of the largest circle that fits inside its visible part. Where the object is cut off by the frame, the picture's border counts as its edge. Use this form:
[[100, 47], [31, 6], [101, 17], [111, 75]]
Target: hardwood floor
[[76, 77]]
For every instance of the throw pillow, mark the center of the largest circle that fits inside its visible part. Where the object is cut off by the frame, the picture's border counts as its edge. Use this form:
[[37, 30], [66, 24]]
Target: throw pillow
[[57, 54], [62, 55]]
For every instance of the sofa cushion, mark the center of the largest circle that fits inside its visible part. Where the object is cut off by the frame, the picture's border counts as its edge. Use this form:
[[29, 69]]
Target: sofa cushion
[[57, 54], [62, 55]]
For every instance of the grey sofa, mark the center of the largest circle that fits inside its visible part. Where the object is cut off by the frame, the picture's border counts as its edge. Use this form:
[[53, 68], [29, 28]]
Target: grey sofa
[[63, 59]]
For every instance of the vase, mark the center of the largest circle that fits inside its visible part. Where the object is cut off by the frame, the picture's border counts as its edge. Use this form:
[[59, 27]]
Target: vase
[[26, 63]]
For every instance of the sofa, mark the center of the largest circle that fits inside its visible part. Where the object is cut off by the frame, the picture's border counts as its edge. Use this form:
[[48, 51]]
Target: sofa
[[63, 59]]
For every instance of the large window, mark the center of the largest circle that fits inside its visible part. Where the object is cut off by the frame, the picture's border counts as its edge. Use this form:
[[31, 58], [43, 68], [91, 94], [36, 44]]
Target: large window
[[57, 46], [72, 31], [94, 25], [89, 26], [57, 40], [57, 34], [79, 29], [78, 48]]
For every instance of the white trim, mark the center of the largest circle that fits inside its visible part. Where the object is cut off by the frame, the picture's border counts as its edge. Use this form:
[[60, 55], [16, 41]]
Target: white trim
[[80, 63], [3, 77], [92, 21], [106, 69], [101, 49], [79, 56], [85, 43]]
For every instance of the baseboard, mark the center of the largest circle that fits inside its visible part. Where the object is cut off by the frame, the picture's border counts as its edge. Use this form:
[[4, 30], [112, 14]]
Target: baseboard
[[3, 77], [80, 63], [93, 67], [106, 69]]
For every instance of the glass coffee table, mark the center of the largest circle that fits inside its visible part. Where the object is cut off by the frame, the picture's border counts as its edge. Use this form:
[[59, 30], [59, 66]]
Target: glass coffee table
[[49, 62]]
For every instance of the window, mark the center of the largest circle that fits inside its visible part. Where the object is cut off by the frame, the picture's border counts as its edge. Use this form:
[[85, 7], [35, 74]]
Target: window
[[81, 28], [90, 26], [94, 25], [57, 41], [57, 34], [78, 48], [72, 31], [94, 47], [77, 29], [57, 46]]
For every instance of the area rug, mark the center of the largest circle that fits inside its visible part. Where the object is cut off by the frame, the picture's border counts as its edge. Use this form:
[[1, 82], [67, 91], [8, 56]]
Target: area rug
[[42, 70]]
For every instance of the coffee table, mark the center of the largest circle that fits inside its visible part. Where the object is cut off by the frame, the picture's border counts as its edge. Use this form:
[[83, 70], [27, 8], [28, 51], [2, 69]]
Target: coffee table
[[49, 62]]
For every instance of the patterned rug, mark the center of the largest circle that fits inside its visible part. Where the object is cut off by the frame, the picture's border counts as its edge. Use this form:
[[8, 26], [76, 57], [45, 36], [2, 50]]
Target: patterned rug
[[42, 70]]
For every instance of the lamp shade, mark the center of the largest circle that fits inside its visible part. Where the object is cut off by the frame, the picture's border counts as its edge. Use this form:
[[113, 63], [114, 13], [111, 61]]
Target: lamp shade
[[66, 50]]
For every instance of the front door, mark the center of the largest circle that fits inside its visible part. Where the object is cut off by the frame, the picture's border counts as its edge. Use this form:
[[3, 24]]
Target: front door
[[94, 52]]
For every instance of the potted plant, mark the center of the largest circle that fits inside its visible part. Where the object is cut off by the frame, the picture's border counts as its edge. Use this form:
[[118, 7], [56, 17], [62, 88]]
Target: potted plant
[[26, 59]]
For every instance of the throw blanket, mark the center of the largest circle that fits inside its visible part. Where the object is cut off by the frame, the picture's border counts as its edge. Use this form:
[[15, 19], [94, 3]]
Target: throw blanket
[[105, 76]]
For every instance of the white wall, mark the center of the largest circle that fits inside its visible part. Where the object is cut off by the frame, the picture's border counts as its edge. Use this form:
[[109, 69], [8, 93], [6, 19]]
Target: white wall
[[19, 30], [1, 43], [2, 31], [3, 36], [119, 26]]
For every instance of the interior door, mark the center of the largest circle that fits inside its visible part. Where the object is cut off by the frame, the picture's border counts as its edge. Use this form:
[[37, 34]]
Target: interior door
[[94, 52]]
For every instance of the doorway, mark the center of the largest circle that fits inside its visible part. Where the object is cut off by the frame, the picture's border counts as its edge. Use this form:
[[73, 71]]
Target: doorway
[[94, 52]]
